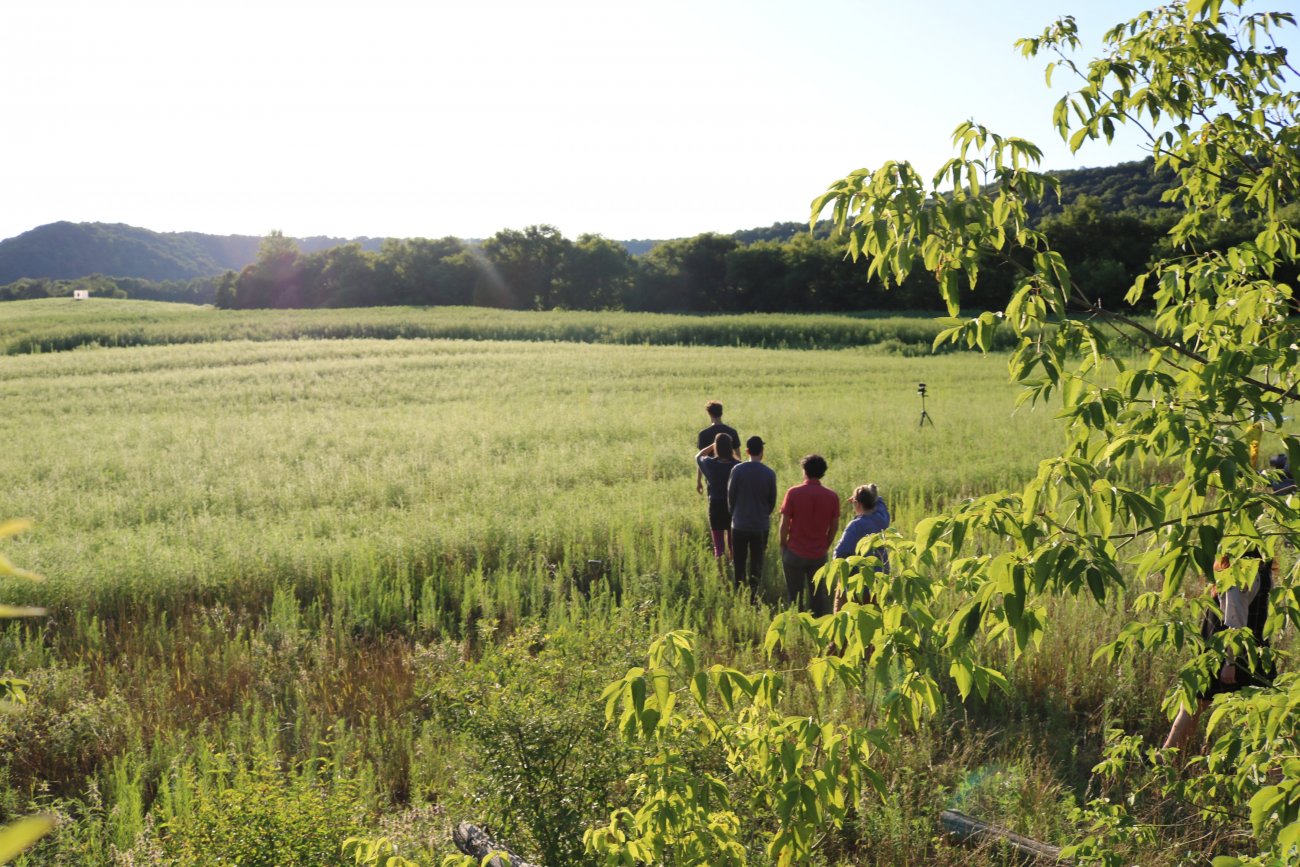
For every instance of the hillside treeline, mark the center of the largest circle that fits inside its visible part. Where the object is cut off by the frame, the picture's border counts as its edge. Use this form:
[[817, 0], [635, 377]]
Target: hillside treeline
[[1109, 223], [200, 290], [69, 251], [537, 268]]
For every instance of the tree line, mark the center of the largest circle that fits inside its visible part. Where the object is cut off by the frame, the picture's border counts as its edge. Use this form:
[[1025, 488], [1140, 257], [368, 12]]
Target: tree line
[[537, 268], [784, 268]]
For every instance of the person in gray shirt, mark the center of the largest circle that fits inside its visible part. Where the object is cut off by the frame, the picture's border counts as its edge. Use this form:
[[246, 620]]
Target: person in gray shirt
[[751, 494]]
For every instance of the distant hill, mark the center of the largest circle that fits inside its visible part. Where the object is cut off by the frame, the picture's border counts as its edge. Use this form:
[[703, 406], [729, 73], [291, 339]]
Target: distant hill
[[66, 251], [1132, 188], [639, 246]]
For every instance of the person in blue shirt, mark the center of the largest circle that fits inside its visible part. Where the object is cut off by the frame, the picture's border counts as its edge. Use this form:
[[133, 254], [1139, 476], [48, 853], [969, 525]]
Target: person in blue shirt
[[751, 496], [870, 515]]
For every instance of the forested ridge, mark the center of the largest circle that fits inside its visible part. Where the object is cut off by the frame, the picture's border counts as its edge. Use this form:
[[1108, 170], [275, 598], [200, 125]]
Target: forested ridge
[[68, 251], [1109, 222]]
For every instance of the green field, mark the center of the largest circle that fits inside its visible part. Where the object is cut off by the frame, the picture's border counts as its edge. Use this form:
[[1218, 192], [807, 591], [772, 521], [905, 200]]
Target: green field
[[61, 324], [280, 570]]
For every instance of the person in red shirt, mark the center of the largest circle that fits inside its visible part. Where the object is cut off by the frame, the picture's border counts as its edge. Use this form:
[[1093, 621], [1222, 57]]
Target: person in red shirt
[[810, 515]]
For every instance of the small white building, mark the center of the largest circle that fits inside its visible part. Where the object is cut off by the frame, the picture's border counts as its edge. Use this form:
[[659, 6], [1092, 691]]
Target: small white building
[[80, 294]]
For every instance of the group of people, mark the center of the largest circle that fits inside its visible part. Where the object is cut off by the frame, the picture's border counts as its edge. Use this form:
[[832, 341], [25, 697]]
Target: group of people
[[742, 498]]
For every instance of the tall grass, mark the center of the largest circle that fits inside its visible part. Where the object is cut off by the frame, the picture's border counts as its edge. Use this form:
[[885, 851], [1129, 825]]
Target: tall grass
[[197, 472], [270, 562], [60, 324]]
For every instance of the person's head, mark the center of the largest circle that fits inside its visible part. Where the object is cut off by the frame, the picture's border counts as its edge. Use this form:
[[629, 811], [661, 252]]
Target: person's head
[[714, 409], [722, 446], [865, 498], [754, 445], [814, 466]]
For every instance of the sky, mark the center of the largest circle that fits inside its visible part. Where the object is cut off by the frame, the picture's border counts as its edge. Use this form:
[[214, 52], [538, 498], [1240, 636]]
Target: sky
[[423, 119]]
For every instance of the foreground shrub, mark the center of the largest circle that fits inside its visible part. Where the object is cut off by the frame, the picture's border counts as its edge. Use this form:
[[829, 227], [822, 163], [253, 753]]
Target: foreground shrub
[[262, 816], [545, 762]]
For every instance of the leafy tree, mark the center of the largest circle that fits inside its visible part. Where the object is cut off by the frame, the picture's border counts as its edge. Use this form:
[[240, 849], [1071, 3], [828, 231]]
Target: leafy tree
[[226, 291], [424, 271], [596, 275], [347, 277], [1110, 248], [275, 279], [1158, 478], [524, 268], [759, 272], [687, 274]]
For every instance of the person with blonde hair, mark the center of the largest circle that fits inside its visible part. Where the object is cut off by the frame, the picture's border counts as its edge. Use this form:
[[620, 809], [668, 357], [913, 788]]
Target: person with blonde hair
[[870, 516]]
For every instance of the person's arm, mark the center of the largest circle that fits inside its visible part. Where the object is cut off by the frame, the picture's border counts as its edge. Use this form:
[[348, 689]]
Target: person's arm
[[705, 452], [847, 546], [731, 490], [830, 531], [783, 526], [771, 493]]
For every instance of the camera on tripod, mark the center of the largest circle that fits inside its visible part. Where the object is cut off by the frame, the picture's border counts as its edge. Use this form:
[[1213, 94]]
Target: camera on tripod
[[925, 416]]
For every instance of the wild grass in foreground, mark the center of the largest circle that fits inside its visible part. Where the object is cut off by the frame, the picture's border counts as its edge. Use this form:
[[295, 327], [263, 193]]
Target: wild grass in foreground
[[308, 588]]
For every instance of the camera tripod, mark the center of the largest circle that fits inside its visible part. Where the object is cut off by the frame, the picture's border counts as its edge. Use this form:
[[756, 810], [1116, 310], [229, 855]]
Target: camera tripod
[[925, 416]]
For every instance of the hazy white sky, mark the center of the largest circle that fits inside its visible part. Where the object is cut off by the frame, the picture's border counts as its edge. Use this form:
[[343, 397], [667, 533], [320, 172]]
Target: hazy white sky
[[391, 118]]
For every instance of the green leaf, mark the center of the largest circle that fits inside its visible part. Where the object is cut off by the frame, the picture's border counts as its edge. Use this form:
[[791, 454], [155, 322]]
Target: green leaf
[[18, 836], [8, 611], [700, 687], [962, 672], [662, 688], [817, 670], [9, 570], [13, 527], [638, 695], [1263, 805]]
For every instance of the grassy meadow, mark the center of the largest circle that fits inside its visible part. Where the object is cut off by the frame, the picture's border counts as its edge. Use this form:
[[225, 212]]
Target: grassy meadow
[[60, 324], [303, 588]]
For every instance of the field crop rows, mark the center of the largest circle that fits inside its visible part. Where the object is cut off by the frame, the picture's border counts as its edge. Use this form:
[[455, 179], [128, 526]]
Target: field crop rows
[[281, 573], [61, 324]]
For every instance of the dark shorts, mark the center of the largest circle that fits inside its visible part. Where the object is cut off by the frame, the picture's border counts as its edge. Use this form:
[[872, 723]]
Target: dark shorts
[[1244, 679], [719, 515]]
